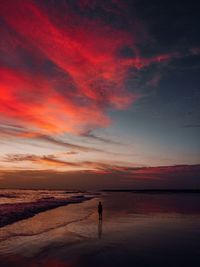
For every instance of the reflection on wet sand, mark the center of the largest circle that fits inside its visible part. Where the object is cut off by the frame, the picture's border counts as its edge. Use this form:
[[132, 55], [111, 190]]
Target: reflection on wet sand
[[100, 229]]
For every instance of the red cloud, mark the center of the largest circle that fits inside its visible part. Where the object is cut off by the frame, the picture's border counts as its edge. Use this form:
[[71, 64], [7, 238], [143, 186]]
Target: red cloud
[[89, 75], [34, 102], [86, 53]]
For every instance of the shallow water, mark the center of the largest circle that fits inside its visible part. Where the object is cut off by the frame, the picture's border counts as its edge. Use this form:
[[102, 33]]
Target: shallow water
[[136, 230], [13, 196]]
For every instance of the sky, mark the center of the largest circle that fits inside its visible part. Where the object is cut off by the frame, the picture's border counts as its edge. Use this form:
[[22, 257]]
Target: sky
[[99, 94]]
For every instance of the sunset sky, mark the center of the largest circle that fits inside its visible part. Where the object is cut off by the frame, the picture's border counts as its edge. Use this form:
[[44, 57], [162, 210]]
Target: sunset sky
[[99, 93]]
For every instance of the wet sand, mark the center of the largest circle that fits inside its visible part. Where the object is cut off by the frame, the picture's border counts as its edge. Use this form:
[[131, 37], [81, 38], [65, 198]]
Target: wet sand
[[10, 213], [135, 231]]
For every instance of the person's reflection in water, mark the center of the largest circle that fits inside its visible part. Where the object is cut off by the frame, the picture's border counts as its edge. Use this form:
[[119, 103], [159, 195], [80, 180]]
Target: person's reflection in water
[[100, 210], [100, 229]]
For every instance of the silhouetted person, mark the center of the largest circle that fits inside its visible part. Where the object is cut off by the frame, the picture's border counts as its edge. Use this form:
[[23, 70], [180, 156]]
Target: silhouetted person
[[100, 210]]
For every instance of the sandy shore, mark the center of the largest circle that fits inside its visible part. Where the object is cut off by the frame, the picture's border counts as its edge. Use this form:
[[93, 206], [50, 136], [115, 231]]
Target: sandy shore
[[10, 213], [73, 236]]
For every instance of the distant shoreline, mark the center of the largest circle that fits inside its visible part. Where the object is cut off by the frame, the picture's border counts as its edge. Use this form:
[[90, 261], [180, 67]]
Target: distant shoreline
[[154, 191]]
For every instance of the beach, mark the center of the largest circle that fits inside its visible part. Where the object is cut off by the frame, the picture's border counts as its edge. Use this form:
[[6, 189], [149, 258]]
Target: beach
[[131, 233], [12, 212]]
